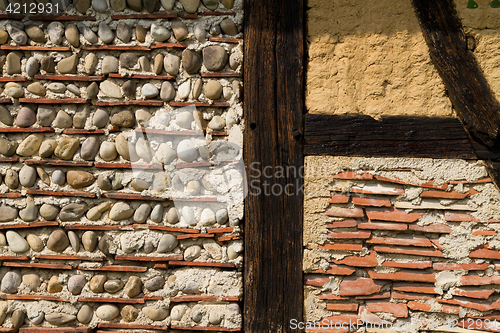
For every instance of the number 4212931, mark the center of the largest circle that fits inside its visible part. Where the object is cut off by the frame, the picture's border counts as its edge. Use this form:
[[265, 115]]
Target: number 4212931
[[32, 8]]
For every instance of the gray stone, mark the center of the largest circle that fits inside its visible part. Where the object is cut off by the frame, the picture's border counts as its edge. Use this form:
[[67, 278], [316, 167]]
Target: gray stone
[[76, 284], [92, 90], [144, 64], [140, 33], [159, 33], [180, 30], [215, 30], [95, 212], [48, 64], [215, 58], [89, 148], [143, 149], [68, 65], [172, 63], [183, 90], [157, 213], [121, 211], [89, 238], [133, 287], [124, 148], [45, 115], [234, 61], [104, 244], [11, 180], [192, 253], [56, 31], [34, 242], [110, 89], [30, 212], [7, 147], [62, 120], [57, 87], [129, 88], [129, 313], [100, 118], [36, 34], [142, 117], [154, 313], [188, 215], [158, 64], [128, 60], [104, 183], [186, 150], [155, 283], [16, 243], [191, 61], [215, 318], [25, 117], [149, 5], [123, 32], [227, 3], [213, 249], [27, 176], [32, 66], [73, 89], [58, 241], [82, 6], [87, 33], [90, 63], [66, 148], [96, 284], [172, 216], [74, 241], [213, 89], [141, 213], [10, 282], [113, 286], [167, 243], [17, 35], [100, 6], [85, 314], [108, 151], [49, 212], [168, 4], [107, 312], [105, 33], [43, 175], [5, 117], [72, 35], [200, 33], [217, 123], [196, 92], [118, 5], [184, 119], [190, 6], [211, 4], [148, 90], [229, 27], [110, 65], [165, 154], [59, 318], [14, 90], [177, 312], [37, 320], [124, 119], [135, 5], [36, 88], [167, 92], [31, 280], [72, 212], [193, 187], [17, 318], [58, 177]]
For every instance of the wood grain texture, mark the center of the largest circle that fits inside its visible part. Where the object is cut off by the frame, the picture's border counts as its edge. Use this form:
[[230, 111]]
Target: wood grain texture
[[274, 53], [391, 136]]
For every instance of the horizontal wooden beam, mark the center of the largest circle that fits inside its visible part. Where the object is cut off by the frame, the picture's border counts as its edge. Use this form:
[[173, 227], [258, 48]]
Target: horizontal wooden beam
[[391, 136]]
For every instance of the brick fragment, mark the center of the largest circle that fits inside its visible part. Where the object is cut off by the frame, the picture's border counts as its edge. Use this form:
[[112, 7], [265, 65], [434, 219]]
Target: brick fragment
[[342, 306], [402, 276], [385, 294], [419, 306], [365, 315], [352, 175], [485, 253], [476, 280], [383, 226], [359, 286], [316, 282], [337, 199], [349, 235], [479, 181], [432, 228], [342, 224], [409, 251], [480, 306], [447, 195], [398, 309], [410, 296], [430, 205], [428, 184], [484, 233], [378, 190], [369, 260], [392, 215], [332, 297], [342, 247], [345, 212], [371, 202], [409, 265], [480, 294], [337, 270], [444, 266], [422, 242], [450, 309], [414, 287], [459, 217]]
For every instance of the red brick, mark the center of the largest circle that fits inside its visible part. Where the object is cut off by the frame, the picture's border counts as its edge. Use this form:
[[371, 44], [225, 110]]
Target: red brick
[[414, 287], [434, 228], [443, 266], [352, 175], [378, 190], [337, 270], [371, 202], [332, 297], [342, 247], [484, 233], [485, 253], [402, 276], [435, 242], [450, 309], [385, 294], [484, 180], [399, 310], [316, 282], [342, 306], [467, 304], [369, 260], [345, 212], [368, 317], [409, 251], [338, 199], [392, 215], [349, 235], [383, 226], [475, 280], [481, 293], [409, 265], [359, 286], [459, 217], [428, 184], [446, 195], [419, 306], [410, 297], [423, 242], [342, 224]]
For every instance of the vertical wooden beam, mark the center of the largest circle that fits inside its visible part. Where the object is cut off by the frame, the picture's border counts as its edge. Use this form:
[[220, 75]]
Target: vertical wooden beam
[[273, 113]]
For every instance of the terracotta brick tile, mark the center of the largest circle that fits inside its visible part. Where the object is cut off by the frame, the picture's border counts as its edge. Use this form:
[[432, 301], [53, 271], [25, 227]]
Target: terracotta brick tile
[[461, 217], [378, 190], [32, 329], [342, 247], [383, 226], [481, 293], [428, 184], [367, 316], [385, 294], [484, 233], [392, 215], [338, 199], [408, 265], [337, 270], [332, 297], [352, 175], [132, 326], [476, 280], [349, 235], [422, 242], [409, 251], [479, 181], [480, 306], [398, 309], [432, 228], [446, 195], [419, 306], [414, 287], [444, 266], [450, 309], [410, 296], [436, 244], [431, 205], [345, 212], [342, 306], [316, 282], [485, 253], [343, 224], [359, 287], [402, 276], [369, 260], [371, 202]]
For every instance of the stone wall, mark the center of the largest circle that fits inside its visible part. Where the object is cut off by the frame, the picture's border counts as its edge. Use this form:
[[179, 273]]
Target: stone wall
[[121, 198], [411, 243]]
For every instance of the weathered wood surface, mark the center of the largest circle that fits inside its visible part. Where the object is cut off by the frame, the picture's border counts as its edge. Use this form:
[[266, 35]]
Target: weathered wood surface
[[392, 136], [273, 112]]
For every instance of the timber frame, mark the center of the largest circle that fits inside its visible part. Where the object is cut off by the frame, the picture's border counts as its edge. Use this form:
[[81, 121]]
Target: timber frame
[[279, 133]]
